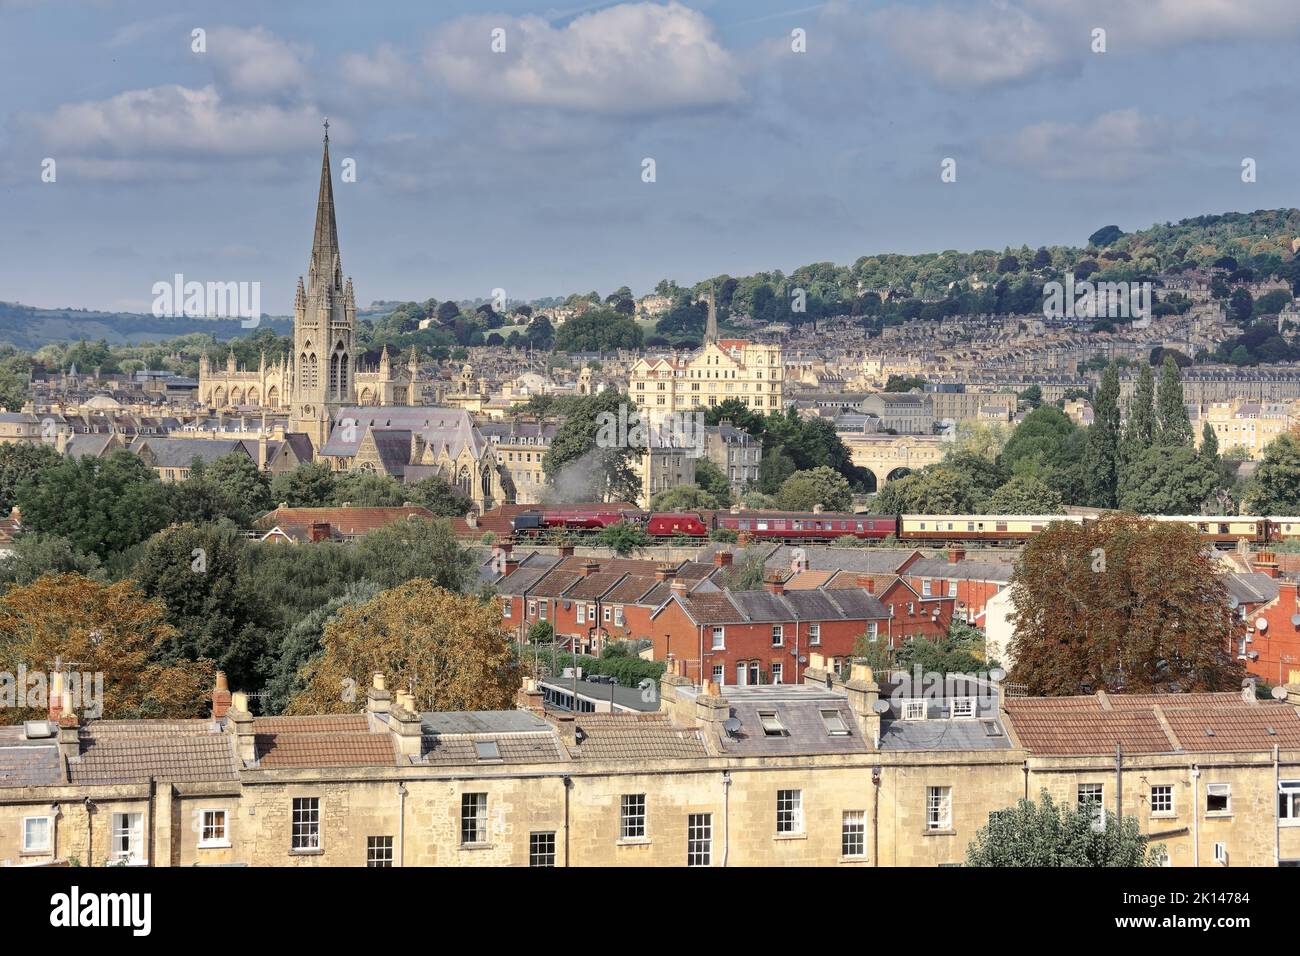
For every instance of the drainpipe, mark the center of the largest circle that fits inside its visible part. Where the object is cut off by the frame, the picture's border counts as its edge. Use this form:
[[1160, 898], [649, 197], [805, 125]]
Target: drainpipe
[[1196, 816], [1025, 767], [875, 816], [1277, 809], [149, 814], [401, 824], [90, 832], [726, 815], [1119, 782], [568, 785]]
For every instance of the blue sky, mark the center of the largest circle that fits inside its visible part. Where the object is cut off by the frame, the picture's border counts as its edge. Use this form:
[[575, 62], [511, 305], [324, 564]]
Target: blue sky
[[522, 169]]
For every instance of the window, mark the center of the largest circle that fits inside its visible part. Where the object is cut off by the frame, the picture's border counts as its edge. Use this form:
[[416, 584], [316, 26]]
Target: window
[[778, 670], [128, 837], [771, 724], [541, 609], [961, 707], [487, 750], [1288, 803], [618, 616], [1162, 800], [814, 634], [541, 849], [505, 607], [699, 839], [633, 817], [873, 631], [379, 851], [789, 811], [853, 834], [306, 823], [719, 638], [952, 587], [914, 709], [582, 614], [1090, 797], [718, 675], [938, 808], [925, 587], [591, 613], [1218, 799], [532, 608], [608, 611], [473, 818], [36, 834], [212, 828], [778, 635]]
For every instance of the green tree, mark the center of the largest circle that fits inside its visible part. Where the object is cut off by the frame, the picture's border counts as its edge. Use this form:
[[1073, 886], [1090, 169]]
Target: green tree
[[34, 555], [200, 573], [1024, 495], [398, 552], [1275, 487], [933, 491], [101, 505], [368, 490], [1051, 835], [1168, 480], [712, 481], [624, 538], [436, 494], [22, 462], [683, 498], [804, 490], [1101, 452], [310, 485], [1172, 424], [589, 458], [300, 645], [598, 330]]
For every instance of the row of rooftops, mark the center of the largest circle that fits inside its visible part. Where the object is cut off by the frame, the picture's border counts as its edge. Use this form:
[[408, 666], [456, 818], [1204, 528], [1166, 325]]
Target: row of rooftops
[[825, 715]]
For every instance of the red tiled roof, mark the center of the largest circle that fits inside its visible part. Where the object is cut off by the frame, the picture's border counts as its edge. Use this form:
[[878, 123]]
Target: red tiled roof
[[347, 521]]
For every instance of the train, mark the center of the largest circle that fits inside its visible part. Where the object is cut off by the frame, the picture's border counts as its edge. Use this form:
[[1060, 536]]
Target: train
[[792, 527]]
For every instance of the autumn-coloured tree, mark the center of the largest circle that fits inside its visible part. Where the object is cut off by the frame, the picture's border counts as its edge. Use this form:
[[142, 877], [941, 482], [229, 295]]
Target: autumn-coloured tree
[[89, 627], [1121, 604], [448, 649]]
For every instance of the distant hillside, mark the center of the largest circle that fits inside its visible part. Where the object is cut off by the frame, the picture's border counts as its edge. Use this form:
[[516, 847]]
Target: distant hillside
[[28, 328]]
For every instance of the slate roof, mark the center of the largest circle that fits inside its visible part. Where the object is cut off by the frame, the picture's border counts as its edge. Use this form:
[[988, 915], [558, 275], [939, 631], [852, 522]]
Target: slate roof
[[30, 766], [632, 589], [1254, 587], [963, 570], [181, 452], [799, 709], [744, 607], [451, 749]]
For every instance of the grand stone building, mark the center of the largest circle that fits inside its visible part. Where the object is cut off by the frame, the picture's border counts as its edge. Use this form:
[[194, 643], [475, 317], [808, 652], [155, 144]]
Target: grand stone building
[[323, 374]]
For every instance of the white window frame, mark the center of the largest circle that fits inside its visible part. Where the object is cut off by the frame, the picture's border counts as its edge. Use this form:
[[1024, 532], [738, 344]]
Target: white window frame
[[632, 817], [853, 835], [1288, 800], [205, 841], [814, 635], [309, 839], [130, 825], [506, 605], [938, 808], [778, 672], [789, 812], [719, 638], [913, 709], [618, 616], [478, 818], [926, 587], [581, 614], [699, 839], [778, 635], [1167, 791], [1092, 796], [962, 708], [28, 847], [1218, 790]]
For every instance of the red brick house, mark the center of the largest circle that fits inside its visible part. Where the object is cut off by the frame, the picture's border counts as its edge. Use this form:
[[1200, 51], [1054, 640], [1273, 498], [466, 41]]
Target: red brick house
[[759, 637]]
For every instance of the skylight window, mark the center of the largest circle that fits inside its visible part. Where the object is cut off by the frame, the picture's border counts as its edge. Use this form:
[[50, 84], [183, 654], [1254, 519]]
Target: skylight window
[[772, 726], [487, 750], [834, 723]]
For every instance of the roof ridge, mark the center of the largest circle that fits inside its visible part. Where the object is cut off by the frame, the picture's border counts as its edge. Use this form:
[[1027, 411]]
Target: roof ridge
[[1166, 727]]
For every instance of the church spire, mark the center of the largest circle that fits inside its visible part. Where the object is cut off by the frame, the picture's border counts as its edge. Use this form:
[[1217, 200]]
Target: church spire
[[325, 241], [711, 327]]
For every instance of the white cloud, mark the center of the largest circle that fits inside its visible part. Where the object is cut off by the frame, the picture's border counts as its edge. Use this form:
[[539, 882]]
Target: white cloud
[[1160, 23], [973, 46], [174, 121], [256, 61], [386, 71], [634, 58], [1115, 146]]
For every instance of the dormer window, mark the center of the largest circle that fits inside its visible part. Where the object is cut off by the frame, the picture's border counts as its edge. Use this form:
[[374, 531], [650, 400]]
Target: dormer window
[[913, 709], [771, 724]]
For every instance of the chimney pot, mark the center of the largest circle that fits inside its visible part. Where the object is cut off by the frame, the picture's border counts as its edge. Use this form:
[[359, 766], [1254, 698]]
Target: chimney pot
[[722, 559], [220, 697], [775, 585]]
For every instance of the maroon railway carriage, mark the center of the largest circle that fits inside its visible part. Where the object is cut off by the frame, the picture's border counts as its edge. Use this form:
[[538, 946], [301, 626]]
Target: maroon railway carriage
[[805, 526]]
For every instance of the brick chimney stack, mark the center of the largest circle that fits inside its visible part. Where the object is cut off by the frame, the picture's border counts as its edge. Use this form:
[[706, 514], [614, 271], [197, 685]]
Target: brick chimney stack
[[69, 731], [956, 554], [220, 697], [240, 724], [665, 572], [566, 550], [1266, 563], [378, 698], [774, 584], [588, 568], [55, 704], [722, 559], [867, 583], [320, 531]]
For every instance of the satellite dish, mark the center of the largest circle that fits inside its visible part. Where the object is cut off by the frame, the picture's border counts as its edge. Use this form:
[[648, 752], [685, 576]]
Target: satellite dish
[[1261, 624], [732, 726], [1295, 620], [1233, 602], [997, 675], [1279, 693], [881, 706]]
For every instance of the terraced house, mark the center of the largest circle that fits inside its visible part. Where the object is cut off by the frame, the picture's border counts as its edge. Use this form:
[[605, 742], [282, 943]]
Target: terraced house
[[827, 772]]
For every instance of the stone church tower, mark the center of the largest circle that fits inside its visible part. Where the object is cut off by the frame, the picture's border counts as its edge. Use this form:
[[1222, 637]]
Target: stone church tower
[[324, 326]]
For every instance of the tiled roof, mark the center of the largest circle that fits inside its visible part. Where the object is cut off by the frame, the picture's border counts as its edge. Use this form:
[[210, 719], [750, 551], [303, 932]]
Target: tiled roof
[[593, 585], [327, 740], [513, 748], [631, 589], [135, 757], [961, 570], [1152, 723], [346, 521], [635, 737], [555, 583]]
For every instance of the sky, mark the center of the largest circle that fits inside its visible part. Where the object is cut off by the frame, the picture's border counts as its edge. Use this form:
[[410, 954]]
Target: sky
[[782, 132]]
